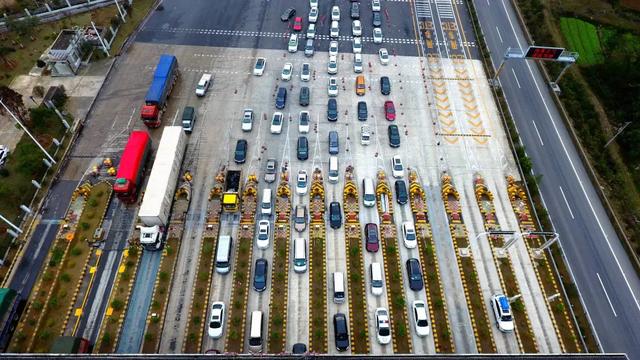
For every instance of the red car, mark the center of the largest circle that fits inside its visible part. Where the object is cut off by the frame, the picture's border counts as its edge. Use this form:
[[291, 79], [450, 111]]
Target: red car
[[297, 24], [371, 241], [389, 110]]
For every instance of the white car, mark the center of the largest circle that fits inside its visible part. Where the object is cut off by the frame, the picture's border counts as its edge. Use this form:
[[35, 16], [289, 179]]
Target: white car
[[356, 28], [333, 48], [335, 29], [332, 89], [216, 320], [247, 120], [293, 43], [264, 229], [287, 70], [502, 311], [377, 36], [383, 327], [384, 56], [313, 3], [203, 84], [357, 45], [4, 154], [332, 67], [375, 5], [301, 183], [303, 122], [397, 168], [335, 13], [420, 318], [313, 15], [357, 63], [305, 73], [276, 123], [409, 235], [258, 68], [311, 31]]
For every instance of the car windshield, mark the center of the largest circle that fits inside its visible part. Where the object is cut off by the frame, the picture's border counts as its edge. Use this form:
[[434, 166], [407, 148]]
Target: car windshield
[[390, 109], [260, 63], [286, 71], [376, 283], [299, 220], [422, 322], [304, 119], [262, 235], [214, 324], [411, 235], [277, 120], [384, 331], [506, 317], [200, 87]]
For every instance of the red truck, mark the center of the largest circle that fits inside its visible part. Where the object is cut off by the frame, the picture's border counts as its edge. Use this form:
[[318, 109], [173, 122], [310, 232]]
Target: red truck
[[155, 102], [130, 169]]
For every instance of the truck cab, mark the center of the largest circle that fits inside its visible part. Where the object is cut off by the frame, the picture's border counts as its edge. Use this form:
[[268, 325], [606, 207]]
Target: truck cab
[[151, 237]]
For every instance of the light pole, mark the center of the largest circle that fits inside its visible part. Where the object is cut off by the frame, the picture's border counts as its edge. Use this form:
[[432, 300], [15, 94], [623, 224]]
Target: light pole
[[28, 133], [618, 133], [500, 252]]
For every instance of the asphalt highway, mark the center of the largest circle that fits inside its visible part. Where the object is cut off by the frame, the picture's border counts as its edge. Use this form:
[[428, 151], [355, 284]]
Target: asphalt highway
[[604, 274]]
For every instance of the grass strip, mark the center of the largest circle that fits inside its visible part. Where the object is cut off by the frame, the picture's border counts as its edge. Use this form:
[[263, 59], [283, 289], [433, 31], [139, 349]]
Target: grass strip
[[199, 301], [317, 268], [160, 297], [118, 302], [355, 269], [468, 273], [280, 272]]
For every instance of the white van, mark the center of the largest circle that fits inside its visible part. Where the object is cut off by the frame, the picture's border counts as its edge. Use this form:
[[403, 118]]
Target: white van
[[266, 204], [338, 287], [369, 193], [299, 255], [203, 84], [365, 135], [223, 254], [255, 333], [375, 271], [334, 171]]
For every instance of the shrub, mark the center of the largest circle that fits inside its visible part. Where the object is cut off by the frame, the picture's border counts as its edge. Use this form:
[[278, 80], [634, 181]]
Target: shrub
[[117, 304], [75, 251], [65, 277], [38, 91], [163, 276], [106, 338], [84, 226], [93, 202]]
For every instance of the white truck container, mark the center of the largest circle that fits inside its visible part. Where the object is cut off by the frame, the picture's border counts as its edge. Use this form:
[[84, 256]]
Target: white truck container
[[158, 196]]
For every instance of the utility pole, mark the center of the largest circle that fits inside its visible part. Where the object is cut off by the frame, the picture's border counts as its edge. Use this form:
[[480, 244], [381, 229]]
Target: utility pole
[[51, 161], [618, 133]]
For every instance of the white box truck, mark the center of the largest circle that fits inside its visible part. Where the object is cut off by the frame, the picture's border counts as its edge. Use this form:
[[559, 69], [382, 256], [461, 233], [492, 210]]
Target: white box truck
[[158, 196]]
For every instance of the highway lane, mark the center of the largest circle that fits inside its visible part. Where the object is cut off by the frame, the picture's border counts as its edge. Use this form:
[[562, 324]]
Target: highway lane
[[604, 275]]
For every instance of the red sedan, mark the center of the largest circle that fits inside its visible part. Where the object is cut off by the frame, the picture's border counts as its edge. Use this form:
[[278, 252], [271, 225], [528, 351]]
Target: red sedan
[[297, 24], [372, 244], [389, 110]]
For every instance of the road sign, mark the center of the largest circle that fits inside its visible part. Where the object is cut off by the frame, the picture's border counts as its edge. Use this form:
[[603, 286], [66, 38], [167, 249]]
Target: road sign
[[543, 53]]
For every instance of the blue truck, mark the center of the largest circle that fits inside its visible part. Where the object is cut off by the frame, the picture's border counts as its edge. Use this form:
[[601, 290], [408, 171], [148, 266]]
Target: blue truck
[[164, 78]]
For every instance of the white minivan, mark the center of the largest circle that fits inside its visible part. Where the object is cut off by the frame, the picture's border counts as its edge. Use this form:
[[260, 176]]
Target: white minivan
[[299, 255], [338, 287], [266, 204], [368, 193], [334, 171], [375, 271], [255, 333], [223, 254]]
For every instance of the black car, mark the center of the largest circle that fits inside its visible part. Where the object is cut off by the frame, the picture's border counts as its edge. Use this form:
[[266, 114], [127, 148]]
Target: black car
[[303, 148], [362, 111], [385, 85], [287, 14], [305, 94], [281, 98], [332, 110], [241, 152], [415, 274], [299, 348], [394, 136], [401, 192], [377, 19], [355, 10], [335, 215], [260, 275], [341, 332]]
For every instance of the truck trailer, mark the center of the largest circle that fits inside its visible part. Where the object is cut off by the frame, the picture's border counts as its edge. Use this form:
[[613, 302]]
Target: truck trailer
[[131, 167], [11, 306], [231, 195], [158, 197], [155, 102]]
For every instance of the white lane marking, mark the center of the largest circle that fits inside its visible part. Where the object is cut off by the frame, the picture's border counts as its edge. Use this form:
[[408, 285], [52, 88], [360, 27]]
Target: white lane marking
[[498, 31], [488, 3], [516, 77], [566, 202], [175, 118], [537, 132], [607, 295], [624, 275]]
